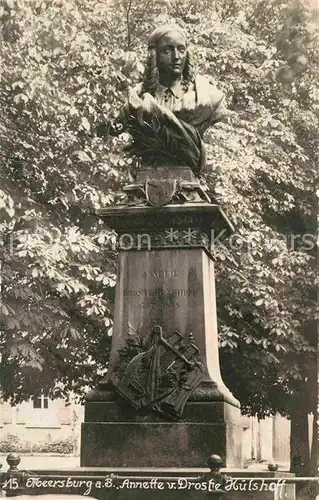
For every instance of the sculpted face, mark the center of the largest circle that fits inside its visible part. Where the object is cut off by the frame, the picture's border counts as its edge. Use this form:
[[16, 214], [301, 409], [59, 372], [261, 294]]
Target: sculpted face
[[171, 54]]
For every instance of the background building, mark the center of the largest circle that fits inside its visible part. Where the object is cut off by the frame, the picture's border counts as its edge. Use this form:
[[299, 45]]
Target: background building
[[41, 420]]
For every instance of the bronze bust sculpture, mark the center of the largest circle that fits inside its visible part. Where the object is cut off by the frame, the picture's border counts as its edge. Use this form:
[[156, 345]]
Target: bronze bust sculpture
[[168, 113]]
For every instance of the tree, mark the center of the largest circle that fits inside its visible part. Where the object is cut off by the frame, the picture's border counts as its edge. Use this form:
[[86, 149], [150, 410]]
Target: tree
[[68, 64]]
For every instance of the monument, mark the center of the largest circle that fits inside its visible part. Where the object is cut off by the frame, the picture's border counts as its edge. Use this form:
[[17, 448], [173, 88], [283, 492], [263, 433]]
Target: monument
[[163, 402]]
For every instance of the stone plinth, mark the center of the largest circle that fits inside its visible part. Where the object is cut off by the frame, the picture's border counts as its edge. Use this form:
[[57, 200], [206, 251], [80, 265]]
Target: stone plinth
[[113, 432], [164, 321]]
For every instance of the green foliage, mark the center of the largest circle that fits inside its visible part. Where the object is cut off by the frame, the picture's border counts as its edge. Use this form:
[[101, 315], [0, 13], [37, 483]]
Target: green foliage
[[11, 443], [62, 446], [67, 65]]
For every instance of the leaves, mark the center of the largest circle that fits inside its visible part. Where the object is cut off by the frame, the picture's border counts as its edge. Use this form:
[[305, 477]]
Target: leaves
[[82, 155], [85, 123]]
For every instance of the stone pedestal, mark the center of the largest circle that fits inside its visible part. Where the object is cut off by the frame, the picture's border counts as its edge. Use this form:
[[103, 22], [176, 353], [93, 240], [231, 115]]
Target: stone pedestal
[[163, 402], [173, 288], [114, 433]]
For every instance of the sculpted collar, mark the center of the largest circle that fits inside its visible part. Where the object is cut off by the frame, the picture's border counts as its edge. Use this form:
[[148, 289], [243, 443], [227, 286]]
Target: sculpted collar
[[176, 89]]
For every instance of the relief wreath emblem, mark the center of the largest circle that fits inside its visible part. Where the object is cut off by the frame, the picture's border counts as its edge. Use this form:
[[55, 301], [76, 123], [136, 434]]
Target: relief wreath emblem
[[160, 375], [160, 192]]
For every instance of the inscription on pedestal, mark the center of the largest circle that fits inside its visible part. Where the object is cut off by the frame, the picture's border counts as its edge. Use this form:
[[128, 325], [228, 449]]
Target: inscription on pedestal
[[162, 273], [158, 295]]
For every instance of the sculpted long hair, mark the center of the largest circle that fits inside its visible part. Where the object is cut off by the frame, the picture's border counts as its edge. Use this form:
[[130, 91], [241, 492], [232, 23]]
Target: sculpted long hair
[[151, 73]]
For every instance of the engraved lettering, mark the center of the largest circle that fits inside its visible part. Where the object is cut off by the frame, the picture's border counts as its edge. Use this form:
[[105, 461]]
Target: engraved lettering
[[160, 292], [161, 273]]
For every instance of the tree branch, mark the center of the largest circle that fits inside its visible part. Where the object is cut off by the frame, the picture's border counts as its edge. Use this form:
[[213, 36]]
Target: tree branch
[[129, 35]]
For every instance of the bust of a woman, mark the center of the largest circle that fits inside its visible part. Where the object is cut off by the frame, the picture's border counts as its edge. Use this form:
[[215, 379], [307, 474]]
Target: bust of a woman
[[169, 111]]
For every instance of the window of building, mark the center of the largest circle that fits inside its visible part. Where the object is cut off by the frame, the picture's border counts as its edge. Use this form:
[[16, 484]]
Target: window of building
[[41, 402]]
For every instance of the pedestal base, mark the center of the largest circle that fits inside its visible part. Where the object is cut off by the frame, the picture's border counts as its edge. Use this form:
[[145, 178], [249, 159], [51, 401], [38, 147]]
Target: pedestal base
[[116, 435]]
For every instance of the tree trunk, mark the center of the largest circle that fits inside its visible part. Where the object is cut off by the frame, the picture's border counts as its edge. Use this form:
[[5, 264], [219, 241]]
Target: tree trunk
[[299, 442], [314, 459]]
